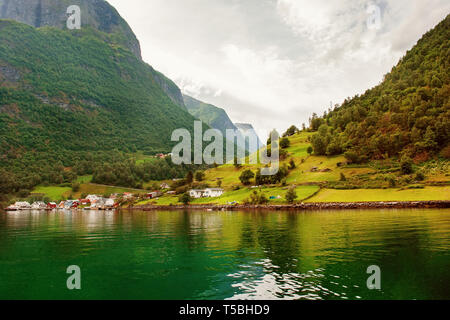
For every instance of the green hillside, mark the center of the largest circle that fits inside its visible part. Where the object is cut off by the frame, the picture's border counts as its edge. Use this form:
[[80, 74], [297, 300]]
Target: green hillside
[[216, 117], [391, 143], [407, 115], [71, 96], [326, 179], [97, 14]]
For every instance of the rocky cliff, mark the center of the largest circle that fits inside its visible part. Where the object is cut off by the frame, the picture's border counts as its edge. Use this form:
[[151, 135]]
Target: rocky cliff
[[98, 14], [95, 13]]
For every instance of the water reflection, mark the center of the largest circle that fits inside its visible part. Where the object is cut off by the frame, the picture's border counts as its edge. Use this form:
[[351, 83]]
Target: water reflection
[[227, 255]]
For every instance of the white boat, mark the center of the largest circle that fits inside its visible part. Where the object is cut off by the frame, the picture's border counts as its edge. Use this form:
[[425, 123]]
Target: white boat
[[12, 208], [22, 205]]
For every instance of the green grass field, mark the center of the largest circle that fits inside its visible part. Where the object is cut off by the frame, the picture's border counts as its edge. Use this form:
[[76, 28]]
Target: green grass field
[[53, 193], [366, 195], [59, 193], [84, 179], [239, 196]]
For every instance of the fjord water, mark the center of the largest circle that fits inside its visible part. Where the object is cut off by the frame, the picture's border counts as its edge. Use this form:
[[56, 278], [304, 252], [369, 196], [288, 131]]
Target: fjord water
[[226, 255]]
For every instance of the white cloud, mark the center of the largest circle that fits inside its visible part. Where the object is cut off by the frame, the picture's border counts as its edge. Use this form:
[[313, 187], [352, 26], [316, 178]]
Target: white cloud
[[274, 62]]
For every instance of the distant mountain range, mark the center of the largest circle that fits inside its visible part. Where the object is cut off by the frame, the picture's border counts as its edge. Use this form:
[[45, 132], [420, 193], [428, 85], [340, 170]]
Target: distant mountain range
[[217, 118]]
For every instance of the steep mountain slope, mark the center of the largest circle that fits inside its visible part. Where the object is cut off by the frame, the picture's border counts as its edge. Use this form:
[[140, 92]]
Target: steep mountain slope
[[216, 117], [96, 14], [407, 115], [65, 96]]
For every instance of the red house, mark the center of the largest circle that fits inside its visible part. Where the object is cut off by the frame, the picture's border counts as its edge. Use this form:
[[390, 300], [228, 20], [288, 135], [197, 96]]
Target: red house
[[51, 206], [153, 195]]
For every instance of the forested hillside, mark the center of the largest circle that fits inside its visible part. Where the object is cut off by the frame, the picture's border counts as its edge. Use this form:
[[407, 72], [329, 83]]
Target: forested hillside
[[72, 96], [407, 115]]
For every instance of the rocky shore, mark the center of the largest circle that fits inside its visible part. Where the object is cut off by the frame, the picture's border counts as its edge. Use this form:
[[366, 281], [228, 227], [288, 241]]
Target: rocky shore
[[306, 206]]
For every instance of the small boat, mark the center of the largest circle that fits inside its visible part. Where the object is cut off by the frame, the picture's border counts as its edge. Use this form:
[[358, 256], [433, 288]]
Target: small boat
[[12, 208]]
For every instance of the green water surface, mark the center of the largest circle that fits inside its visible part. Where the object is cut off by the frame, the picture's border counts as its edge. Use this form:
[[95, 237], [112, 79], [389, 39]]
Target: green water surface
[[226, 255]]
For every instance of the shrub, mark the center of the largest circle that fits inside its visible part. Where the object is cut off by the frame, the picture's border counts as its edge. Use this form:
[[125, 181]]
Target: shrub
[[285, 143], [291, 195], [257, 198], [199, 176], [352, 156], [343, 177], [419, 176], [246, 177], [292, 165], [189, 177], [185, 198], [406, 166], [392, 182]]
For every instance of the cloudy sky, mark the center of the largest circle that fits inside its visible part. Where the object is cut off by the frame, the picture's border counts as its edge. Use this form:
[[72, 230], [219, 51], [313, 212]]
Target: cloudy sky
[[273, 63]]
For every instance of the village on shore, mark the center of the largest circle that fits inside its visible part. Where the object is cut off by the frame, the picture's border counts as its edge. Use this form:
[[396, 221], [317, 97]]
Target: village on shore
[[113, 202]]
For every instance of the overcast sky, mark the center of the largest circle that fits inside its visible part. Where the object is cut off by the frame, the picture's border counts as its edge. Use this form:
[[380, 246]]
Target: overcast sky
[[273, 63]]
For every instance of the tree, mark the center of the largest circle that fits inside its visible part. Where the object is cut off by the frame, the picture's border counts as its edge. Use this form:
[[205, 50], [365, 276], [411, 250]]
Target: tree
[[219, 183], [200, 176], [185, 198], [291, 131], [285, 143], [246, 176], [406, 166], [352, 156], [343, 177], [189, 177], [292, 165], [257, 198], [310, 150], [291, 195]]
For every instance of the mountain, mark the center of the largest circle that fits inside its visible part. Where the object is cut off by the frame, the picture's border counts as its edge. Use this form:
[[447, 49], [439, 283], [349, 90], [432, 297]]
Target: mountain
[[247, 130], [96, 14], [407, 115], [76, 95], [216, 117]]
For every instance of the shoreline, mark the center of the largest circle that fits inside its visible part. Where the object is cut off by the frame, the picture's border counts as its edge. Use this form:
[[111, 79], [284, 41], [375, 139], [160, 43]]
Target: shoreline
[[313, 206]]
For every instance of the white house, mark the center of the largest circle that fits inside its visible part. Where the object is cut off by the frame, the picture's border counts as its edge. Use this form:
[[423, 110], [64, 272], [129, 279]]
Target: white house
[[164, 186], [213, 193], [38, 205], [109, 203], [207, 193], [196, 194], [93, 198]]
